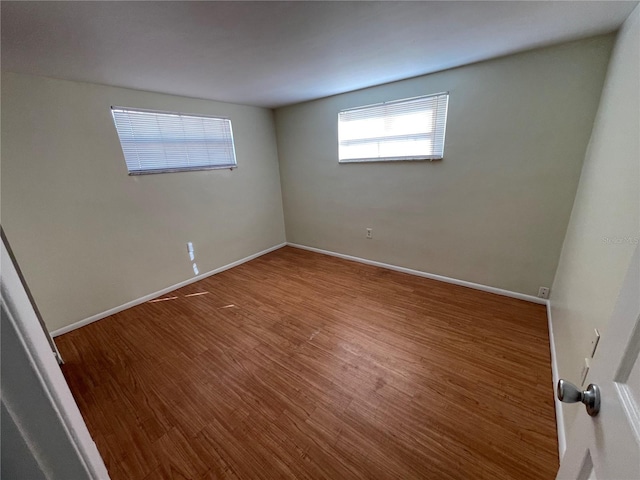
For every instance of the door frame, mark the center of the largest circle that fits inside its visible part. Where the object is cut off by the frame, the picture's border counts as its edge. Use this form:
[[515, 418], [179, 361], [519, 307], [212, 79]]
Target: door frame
[[555, 375], [22, 317]]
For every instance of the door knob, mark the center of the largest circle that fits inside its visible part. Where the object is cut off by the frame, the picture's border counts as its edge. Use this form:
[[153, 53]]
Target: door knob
[[569, 393]]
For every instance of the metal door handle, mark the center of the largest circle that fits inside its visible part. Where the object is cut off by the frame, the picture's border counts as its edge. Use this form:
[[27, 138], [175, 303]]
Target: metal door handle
[[569, 393]]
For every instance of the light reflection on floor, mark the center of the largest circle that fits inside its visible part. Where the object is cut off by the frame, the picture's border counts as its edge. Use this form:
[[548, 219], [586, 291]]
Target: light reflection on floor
[[164, 299]]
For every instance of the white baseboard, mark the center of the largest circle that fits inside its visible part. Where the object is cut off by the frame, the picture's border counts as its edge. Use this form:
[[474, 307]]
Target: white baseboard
[[562, 439], [441, 278], [485, 288], [153, 295], [562, 443]]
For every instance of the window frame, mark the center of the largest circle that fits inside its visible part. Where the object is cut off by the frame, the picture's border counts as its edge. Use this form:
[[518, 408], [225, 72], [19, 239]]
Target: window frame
[[406, 158], [175, 169]]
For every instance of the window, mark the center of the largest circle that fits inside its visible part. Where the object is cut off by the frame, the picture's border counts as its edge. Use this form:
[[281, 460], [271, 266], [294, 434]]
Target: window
[[409, 129], [160, 142]]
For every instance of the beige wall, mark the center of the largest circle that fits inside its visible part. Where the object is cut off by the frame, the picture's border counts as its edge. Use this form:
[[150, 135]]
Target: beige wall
[[89, 237], [495, 210], [605, 221]]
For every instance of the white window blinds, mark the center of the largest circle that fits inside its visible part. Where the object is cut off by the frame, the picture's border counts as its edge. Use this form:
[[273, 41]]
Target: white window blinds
[[159, 142], [409, 129]]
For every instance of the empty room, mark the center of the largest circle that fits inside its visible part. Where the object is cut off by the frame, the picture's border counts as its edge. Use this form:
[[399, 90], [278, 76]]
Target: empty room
[[320, 240]]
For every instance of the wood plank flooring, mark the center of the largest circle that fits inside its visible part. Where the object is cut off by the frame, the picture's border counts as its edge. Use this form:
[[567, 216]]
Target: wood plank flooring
[[298, 365]]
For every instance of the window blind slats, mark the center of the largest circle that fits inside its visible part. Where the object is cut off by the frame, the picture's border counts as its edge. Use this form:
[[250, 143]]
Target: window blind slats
[[412, 128], [154, 142]]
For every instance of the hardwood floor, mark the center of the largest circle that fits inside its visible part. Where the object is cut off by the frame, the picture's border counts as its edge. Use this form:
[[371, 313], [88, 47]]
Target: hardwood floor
[[299, 365]]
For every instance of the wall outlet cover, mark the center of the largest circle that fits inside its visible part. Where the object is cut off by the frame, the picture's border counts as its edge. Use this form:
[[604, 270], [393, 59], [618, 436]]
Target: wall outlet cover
[[585, 371], [543, 292], [594, 342]]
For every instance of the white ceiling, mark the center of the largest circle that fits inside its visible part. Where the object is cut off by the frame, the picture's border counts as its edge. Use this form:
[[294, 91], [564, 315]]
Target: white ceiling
[[277, 53]]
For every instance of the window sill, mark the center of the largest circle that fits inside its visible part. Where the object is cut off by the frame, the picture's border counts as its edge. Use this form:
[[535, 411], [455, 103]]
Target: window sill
[[181, 169], [391, 159]]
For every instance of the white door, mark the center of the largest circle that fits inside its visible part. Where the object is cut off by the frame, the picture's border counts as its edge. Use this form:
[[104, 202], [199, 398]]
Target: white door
[[43, 432], [607, 446]]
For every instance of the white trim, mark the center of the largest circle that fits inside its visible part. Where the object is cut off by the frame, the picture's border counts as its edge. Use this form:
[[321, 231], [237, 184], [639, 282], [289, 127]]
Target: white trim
[[562, 438], [21, 317], [432, 276], [562, 443], [151, 296]]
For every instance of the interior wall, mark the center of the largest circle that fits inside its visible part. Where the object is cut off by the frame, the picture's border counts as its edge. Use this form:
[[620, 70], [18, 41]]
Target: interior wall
[[605, 222], [495, 210], [87, 236]]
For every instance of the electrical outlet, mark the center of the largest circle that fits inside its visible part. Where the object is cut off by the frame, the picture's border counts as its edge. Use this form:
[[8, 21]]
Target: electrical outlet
[[585, 371], [543, 292], [369, 232], [594, 342]]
